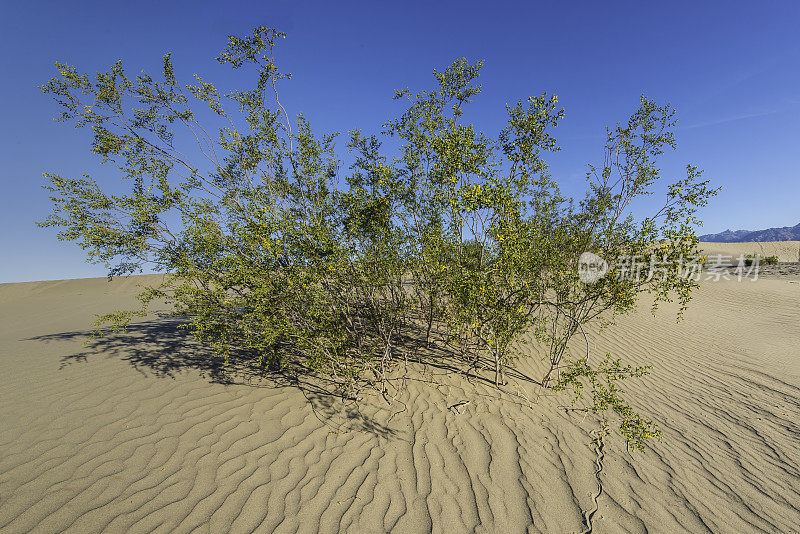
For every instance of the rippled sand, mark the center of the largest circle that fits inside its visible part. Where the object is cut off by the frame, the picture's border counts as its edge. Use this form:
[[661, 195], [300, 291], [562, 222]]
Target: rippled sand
[[140, 433]]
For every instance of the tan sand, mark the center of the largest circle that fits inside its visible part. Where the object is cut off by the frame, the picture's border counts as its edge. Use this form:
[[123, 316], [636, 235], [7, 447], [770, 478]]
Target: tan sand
[[786, 251], [137, 434]]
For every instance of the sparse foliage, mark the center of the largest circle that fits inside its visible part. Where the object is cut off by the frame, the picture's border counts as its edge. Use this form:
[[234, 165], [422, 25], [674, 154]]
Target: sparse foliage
[[460, 240]]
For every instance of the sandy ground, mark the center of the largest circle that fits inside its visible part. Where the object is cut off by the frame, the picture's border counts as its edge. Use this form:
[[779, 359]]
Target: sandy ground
[[786, 251], [138, 433]]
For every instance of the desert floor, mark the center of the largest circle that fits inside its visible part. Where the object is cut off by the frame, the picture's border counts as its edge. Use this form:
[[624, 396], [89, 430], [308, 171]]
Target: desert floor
[[786, 251], [140, 433]]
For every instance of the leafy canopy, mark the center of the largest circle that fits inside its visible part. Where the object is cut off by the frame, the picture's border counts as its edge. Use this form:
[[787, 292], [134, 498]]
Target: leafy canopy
[[458, 242]]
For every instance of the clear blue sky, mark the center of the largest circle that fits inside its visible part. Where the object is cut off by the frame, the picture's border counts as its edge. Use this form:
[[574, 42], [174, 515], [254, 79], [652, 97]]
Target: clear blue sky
[[730, 69]]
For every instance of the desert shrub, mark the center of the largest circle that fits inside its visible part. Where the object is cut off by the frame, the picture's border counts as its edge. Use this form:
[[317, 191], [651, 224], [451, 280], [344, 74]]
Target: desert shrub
[[606, 394], [750, 259], [271, 252]]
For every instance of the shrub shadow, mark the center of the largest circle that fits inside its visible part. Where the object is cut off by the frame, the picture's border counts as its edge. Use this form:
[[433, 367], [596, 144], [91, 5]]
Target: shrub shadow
[[162, 348]]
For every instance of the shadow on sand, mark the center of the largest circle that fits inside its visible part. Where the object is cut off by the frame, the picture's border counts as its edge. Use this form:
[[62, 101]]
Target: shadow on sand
[[163, 348]]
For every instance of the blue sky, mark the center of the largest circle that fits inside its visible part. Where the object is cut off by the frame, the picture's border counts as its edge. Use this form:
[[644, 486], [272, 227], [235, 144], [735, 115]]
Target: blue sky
[[730, 68]]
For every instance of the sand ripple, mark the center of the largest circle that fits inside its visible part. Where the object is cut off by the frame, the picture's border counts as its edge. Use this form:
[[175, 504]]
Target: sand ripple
[[137, 438]]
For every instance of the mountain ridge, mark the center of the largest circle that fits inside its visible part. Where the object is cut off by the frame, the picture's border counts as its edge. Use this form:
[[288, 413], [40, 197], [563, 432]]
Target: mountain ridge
[[784, 233]]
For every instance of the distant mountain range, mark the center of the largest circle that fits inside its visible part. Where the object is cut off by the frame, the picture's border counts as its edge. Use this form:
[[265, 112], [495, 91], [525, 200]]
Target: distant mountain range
[[787, 233]]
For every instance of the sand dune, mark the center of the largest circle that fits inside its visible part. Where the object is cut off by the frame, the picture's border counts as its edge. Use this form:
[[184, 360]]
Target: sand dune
[[786, 251], [140, 433]]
